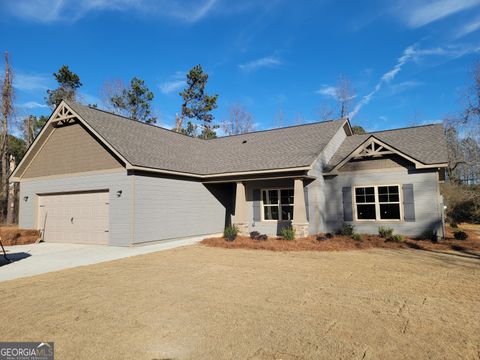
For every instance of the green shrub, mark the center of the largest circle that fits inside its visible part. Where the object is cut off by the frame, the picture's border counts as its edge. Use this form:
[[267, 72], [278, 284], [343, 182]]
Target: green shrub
[[254, 235], [230, 233], [385, 232], [460, 235], [347, 230], [288, 233], [396, 238], [356, 237]]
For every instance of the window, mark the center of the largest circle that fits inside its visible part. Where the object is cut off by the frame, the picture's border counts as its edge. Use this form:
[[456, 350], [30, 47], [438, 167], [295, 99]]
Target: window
[[378, 202], [277, 204]]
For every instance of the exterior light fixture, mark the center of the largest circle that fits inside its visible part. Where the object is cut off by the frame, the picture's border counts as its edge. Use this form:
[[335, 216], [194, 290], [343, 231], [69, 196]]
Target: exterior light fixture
[[119, 193], [25, 198]]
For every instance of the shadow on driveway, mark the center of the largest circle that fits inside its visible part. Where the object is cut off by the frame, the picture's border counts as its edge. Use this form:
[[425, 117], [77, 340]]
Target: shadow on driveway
[[13, 258]]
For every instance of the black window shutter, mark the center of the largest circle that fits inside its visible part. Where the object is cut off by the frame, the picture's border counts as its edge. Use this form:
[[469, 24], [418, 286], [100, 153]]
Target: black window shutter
[[408, 202], [347, 204], [256, 205]]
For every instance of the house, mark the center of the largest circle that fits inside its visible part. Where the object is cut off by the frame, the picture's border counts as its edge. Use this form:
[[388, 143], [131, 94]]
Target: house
[[95, 177]]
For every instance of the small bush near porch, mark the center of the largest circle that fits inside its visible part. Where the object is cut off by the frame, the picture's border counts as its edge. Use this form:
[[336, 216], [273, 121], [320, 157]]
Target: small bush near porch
[[328, 242]]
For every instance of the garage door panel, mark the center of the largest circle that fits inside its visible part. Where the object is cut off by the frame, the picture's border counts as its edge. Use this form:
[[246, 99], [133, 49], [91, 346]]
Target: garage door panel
[[75, 217]]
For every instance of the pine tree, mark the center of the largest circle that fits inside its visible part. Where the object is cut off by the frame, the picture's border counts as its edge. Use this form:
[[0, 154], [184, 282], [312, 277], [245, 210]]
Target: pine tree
[[197, 105], [68, 84]]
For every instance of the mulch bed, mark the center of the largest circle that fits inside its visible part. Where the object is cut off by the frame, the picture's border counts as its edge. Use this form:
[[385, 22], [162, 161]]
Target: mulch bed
[[11, 235], [343, 243]]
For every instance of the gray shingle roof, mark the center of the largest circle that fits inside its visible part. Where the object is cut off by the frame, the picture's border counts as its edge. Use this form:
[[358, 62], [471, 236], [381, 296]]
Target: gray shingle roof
[[423, 143], [153, 147]]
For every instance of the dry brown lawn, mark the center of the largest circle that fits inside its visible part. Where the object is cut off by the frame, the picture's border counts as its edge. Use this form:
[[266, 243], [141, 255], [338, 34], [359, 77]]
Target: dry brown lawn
[[200, 302]]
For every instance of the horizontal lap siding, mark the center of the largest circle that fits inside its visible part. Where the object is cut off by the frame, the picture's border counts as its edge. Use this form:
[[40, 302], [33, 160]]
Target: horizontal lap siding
[[318, 198], [169, 209], [120, 207], [426, 197]]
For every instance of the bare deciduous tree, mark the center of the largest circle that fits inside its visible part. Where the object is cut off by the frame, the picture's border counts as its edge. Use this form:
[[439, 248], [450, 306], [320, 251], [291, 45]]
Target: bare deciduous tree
[[344, 93], [471, 114], [240, 121], [279, 118], [325, 112], [7, 112], [109, 90]]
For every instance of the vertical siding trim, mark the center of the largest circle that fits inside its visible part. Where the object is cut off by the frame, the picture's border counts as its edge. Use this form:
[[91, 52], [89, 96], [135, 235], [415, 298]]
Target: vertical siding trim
[[347, 200], [133, 208]]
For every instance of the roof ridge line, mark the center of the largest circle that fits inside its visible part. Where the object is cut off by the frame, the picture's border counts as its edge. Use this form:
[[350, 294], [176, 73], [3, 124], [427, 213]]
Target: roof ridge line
[[280, 128], [402, 128], [221, 137]]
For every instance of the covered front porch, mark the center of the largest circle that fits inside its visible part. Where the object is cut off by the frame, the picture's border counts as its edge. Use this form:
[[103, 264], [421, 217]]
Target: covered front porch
[[267, 205]]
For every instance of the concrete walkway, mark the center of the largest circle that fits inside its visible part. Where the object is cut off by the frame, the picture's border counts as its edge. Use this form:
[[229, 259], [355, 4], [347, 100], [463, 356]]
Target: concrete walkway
[[35, 259]]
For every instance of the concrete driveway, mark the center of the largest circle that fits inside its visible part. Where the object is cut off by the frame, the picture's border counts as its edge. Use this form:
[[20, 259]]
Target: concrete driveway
[[35, 259]]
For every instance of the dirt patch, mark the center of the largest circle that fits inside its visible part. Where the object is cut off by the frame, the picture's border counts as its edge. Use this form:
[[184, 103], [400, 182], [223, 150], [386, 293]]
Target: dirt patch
[[209, 303], [12, 235], [344, 243]]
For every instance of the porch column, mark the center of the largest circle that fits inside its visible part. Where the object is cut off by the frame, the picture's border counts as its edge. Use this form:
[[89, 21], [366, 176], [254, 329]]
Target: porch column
[[241, 221], [300, 222]]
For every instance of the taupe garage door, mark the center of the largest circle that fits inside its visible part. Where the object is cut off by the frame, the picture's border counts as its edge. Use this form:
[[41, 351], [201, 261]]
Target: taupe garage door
[[74, 217]]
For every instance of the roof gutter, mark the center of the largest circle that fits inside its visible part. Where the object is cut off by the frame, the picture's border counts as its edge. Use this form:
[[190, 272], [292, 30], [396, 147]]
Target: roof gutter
[[208, 176]]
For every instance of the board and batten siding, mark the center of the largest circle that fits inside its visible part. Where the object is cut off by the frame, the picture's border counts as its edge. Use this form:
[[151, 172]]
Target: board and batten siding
[[427, 202], [121, 212], [172, 208]]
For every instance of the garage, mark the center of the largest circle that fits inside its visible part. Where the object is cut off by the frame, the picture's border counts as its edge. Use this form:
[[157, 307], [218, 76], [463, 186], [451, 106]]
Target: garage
[[81, 217]]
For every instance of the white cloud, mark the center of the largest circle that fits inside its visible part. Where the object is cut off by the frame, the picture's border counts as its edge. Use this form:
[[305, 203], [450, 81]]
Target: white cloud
[[168, 87], [404, 86], [31, 82], [468, 28], [413, 53], [50, 11], [265, 62], [419, 13], [327, 90], [31, 105]]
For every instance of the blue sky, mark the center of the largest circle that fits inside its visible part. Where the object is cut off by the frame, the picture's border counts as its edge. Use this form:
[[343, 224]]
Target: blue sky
[[408, 60]]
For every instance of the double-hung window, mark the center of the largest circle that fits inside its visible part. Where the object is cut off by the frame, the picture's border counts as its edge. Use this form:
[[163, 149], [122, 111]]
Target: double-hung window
[[277, 204], [377, 202]]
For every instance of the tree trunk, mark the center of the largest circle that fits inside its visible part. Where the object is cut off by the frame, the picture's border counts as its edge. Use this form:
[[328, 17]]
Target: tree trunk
[[4, 189], [11, 194], [7, 110]]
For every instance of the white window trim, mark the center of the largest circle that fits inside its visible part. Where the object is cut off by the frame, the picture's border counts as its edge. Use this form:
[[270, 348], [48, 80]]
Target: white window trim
[[377, 204], [279, 205]]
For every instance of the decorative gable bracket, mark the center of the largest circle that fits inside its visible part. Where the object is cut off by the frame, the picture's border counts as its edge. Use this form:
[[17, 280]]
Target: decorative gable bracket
[[371, 148], [63, 116], [374, 148]]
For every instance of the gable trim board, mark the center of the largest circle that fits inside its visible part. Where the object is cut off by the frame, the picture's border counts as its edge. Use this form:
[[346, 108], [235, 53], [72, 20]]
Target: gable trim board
[[149, 204], [373, 139]]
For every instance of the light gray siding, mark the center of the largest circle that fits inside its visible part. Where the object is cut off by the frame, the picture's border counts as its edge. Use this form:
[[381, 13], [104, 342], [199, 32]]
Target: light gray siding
[[172, 208], [120, 207], [317, 196], [427, 201]]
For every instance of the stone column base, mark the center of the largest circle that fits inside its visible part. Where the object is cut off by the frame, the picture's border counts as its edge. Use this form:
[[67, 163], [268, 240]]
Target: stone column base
[[301, 230], [242, 228]]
